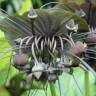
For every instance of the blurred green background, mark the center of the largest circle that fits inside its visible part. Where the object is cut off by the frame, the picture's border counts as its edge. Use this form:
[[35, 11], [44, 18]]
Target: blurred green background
[[67, 83]]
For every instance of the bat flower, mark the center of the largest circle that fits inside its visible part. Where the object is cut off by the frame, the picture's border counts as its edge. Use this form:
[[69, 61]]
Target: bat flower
[[47, 42]]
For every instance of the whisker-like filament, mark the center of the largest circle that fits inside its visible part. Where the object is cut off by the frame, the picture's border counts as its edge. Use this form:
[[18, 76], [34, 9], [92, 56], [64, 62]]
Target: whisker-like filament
[[91, 50], [22, 40], [52, 41], [79, 35], [21, 43], [54, 47], [55, 9], [42, 45], [29, 39], [68, 41], [84, 33], [5, 57], [50, 4], [91, 44], [8, 47], [50, 45], [72, 42], [90, 57], [82, 36], [61, 41], [7, 40], [33, 53], [84, 63], [48, 41], [13, 49], [36, 42], [32, 93], [77, 84]]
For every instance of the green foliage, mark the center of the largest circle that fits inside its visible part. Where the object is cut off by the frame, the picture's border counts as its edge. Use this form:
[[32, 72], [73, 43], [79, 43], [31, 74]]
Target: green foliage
[[11, 6], [52, 89], [26, 7], [3, 92]]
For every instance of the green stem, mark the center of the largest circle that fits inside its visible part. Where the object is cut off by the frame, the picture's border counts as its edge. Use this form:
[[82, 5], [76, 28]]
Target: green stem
[[87, 84], [52, 89]]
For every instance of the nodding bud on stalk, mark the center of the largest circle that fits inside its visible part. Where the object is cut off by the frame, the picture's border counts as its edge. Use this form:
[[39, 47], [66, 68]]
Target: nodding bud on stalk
[[91, 38], [78, 49], [20, 60], [32, 14]]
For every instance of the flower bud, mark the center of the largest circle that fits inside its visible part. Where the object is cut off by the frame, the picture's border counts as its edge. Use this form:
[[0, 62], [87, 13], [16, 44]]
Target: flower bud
[[20, 60]]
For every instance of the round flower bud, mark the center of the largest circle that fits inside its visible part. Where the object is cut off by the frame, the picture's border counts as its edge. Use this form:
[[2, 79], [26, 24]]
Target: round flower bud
[[20, 60], [78, 48], [91, 38]]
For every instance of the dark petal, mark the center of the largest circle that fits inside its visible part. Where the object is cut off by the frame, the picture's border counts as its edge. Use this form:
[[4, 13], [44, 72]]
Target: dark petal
[[90, 11]]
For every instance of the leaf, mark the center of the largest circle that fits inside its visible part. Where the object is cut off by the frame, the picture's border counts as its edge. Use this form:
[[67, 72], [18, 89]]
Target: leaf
[[4, 92], [26, 7], [52, 89], [7, 74]]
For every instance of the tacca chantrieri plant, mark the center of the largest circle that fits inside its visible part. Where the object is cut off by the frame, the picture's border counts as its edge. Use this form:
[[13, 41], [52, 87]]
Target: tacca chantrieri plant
[[47, 42]]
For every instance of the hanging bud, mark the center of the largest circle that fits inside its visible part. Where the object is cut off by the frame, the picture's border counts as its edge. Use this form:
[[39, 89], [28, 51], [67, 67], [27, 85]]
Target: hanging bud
[[91, 38], [78, 49], [20, 60]]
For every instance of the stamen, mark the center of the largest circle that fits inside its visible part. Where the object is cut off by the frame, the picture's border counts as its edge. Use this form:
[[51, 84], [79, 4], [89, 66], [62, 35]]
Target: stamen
[[62, 46], [68, 41], [33, 53], [52, 41], [29, 39], [21, 43], [54, 47], [42, 45]]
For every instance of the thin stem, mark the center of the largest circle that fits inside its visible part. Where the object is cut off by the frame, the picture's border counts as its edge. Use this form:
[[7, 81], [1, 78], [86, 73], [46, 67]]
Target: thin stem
[[52, 88], [87, 84]]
